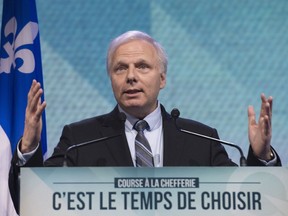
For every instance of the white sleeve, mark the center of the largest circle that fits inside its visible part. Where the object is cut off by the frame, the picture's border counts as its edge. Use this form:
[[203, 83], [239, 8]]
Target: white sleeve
[[23, 158]]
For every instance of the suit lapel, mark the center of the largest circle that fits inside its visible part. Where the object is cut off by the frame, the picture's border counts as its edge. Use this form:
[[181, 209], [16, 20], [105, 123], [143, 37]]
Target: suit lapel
[[118, 146], [172, 147]]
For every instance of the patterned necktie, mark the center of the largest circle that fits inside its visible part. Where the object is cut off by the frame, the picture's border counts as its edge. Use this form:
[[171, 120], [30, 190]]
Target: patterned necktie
[[144, 157]]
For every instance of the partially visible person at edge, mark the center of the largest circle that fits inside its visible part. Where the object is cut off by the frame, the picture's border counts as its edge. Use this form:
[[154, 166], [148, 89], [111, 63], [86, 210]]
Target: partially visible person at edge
[[137, 68]]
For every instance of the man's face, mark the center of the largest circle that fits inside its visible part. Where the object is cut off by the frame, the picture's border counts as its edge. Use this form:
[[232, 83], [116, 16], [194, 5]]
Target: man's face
[[136, 78]]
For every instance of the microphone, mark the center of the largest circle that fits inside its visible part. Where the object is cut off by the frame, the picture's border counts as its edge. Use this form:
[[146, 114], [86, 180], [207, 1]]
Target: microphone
[[175, 113], [122, 118]]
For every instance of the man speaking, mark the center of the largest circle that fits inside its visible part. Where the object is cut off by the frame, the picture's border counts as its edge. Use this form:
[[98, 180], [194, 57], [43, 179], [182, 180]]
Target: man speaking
[[147, 135]]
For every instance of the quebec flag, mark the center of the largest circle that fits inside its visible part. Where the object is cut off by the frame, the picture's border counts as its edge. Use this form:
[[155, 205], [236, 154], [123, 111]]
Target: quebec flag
[[20, 63]]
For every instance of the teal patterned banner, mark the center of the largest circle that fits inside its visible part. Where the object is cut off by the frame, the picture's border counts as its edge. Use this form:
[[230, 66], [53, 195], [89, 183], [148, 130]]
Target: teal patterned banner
[[222, 55]]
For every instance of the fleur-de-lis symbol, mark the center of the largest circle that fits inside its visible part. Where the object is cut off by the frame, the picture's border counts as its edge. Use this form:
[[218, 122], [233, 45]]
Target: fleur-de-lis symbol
[[25, 37]]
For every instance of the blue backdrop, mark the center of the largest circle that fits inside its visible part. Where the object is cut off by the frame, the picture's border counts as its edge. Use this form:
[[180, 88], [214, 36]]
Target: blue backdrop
[[222, 55]]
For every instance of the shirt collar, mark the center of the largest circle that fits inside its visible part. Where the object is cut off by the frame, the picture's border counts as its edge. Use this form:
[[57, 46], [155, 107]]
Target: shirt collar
[[154, 119]]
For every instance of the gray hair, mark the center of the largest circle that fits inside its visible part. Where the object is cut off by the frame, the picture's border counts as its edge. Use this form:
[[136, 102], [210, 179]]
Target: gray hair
[[136, 35]]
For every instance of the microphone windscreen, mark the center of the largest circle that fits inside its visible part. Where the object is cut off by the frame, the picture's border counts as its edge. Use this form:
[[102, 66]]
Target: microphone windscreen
[[175, 113]]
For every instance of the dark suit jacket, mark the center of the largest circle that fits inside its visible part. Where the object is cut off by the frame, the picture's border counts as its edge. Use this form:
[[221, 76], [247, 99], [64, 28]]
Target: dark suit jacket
[[180, 149]]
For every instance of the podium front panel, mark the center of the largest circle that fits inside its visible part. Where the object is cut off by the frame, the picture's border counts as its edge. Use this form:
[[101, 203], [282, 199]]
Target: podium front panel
[[166, 191]]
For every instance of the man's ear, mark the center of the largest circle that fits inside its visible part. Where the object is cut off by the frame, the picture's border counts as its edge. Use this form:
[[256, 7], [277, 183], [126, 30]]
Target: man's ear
[[162, 80]]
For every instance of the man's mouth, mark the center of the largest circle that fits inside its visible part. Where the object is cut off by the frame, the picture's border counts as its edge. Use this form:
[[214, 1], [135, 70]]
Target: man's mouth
[[132, 91]]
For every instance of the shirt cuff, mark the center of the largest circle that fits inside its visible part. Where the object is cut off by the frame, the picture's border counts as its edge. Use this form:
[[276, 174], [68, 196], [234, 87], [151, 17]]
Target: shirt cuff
[[272, 162], [24, 157]]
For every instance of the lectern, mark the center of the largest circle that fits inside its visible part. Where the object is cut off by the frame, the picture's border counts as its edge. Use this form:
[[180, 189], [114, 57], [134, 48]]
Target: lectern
[[167, 191]]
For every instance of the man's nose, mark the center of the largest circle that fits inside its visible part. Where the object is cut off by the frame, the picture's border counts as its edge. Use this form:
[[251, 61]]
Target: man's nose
[[131, 75]]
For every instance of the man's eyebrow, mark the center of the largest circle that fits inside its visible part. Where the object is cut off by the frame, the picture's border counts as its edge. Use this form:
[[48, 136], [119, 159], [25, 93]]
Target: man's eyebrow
[[142, 61], [119, 63]]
